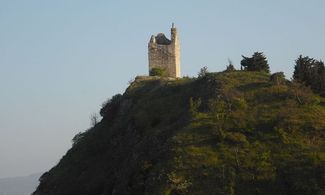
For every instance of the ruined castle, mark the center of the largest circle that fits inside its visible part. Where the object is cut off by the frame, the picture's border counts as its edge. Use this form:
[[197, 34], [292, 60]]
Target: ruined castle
[[164, 54]]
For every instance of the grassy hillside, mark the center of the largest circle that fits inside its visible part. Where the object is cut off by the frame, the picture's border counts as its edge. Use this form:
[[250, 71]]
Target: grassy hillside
[[222, 133]]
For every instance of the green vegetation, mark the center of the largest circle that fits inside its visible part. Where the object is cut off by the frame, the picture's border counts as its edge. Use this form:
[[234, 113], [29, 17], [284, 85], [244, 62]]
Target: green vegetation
[[230, 67], [203, 71], [257, 62], [278, 78], [236, 132], [310, 72], [158, 72]]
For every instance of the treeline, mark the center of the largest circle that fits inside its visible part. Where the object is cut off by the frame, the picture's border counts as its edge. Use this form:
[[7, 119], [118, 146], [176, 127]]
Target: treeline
[[307, 71]]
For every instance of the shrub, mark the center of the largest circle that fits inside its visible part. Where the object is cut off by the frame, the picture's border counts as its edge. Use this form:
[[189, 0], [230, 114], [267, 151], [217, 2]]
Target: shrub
[[77, 138], [302, 94], [230, 67], [158, 72], [278, 78], [111, 106]]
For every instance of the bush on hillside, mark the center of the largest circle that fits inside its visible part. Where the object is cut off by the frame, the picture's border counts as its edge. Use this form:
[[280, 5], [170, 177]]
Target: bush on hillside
[[111, 106], [158, 72], [230, 67], [278, 78]]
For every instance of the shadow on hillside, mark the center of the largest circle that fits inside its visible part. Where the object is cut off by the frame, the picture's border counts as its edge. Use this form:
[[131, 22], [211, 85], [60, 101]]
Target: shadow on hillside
[[253, 86]]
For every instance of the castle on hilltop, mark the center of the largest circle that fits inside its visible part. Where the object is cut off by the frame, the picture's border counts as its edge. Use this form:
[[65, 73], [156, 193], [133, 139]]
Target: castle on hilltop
[[164, 54]]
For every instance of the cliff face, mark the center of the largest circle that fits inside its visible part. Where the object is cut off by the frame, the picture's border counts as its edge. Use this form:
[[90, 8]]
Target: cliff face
[[223, 133]]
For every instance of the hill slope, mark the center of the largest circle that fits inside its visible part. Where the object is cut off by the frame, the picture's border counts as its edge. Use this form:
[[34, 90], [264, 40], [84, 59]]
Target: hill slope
[[223, 133]]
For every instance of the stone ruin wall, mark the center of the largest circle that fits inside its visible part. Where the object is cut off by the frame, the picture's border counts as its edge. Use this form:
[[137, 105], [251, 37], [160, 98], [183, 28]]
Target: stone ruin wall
[[165, 56], [161, 56]]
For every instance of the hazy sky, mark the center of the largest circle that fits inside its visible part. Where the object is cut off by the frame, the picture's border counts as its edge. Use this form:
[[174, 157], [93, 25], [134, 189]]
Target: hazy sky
[[59, 60]]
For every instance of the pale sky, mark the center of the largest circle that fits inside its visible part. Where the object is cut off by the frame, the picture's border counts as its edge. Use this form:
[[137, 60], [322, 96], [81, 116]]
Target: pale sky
[[59, 60]]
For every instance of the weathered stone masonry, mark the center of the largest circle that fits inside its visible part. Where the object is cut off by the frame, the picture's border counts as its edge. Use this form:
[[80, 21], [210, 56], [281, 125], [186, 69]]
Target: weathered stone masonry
[[165, 54]]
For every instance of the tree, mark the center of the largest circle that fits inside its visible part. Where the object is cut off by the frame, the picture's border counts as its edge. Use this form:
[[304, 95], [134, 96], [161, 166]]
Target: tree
[[311, 73], [320, 80], [303, 69], [94, 119], [257, 62], [203, 72]]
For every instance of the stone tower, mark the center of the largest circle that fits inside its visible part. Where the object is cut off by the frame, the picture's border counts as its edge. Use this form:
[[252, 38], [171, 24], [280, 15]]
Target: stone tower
[[165, 54]]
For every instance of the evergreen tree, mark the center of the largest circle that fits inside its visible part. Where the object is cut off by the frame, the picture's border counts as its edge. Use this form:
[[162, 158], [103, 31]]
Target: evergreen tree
[[310, 72], [203, 72], [257, 62], [303, 69]]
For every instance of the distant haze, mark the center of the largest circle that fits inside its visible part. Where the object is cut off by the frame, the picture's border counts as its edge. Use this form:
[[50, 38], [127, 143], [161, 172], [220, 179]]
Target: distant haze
[[19, 185], [59, 60]]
